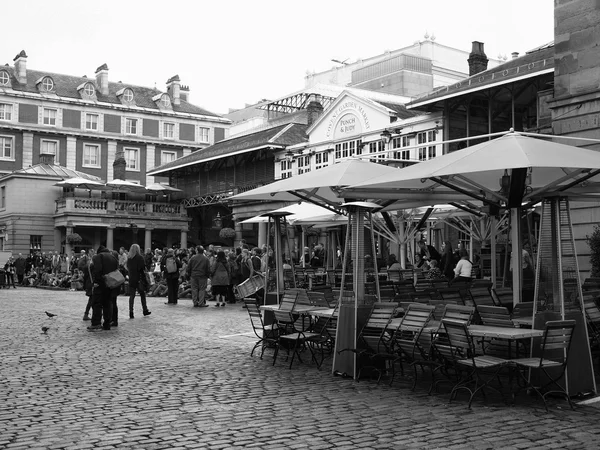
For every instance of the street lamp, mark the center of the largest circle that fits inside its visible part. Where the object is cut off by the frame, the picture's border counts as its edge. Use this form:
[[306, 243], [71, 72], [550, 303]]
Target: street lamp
[[386, 137]]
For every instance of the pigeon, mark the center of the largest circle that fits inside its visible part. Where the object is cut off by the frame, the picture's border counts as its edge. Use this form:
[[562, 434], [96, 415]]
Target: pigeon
[[45, 330], [49, 314]]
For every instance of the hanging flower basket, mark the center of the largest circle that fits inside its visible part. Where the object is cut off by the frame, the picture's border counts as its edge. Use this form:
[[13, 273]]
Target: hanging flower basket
[[227, 233], [73, 238]]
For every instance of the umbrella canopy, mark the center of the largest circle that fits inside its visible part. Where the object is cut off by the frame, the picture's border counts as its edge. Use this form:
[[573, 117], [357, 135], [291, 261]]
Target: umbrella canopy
[[123, 186], [157, 188], [303, 211], [80, 183], [319, 185], [528, 169]]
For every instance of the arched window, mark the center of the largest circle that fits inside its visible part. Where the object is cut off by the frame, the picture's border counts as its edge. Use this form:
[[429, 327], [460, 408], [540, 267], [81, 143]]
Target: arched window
[[89, 90], [4, 78], [47, 84], [128, 95], [165, 101]]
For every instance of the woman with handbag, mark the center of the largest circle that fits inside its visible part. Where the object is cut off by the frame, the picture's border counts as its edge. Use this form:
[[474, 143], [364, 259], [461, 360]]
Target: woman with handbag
[[220, 276], [136, 266]]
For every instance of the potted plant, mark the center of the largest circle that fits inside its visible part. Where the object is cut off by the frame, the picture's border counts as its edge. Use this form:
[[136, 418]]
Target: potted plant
[[73, 238], [593, 241], [227, 233]]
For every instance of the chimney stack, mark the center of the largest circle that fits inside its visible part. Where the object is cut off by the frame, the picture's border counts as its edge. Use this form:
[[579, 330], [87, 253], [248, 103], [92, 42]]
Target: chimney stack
[[21, 67], [174, 89], [119, 166], [102, 79], [185, 93], [478, 60], [514, 55]]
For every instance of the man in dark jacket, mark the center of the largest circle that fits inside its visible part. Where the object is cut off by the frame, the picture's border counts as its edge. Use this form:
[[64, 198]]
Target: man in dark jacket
[[103, 263], [198, 271]]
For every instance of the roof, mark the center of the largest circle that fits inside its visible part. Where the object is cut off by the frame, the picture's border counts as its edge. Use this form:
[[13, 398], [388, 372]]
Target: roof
[[280, 136], [401, 111], [52, 170], [537, 61], [66, 87]]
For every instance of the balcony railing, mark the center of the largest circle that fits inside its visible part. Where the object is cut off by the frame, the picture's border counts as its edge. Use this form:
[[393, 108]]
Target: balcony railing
[[103, 206]]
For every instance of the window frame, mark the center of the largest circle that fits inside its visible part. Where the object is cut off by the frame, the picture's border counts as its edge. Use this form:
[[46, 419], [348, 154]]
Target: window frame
[[3, 139], [165, 101], [201, 135], [89, 90], [98, 156], [56, 150], [11, 112], [167, 152], [47, 84], [128, 95], [46, 119], [4, 78], [137, 158], [172, 125], [3, 196], [128, 128], [86, 121]]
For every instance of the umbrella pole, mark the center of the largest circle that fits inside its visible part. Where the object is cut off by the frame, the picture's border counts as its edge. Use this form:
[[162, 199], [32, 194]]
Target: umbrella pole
[[374, 250], [516, 253], [287, 237], [267, 268], [493, 249]]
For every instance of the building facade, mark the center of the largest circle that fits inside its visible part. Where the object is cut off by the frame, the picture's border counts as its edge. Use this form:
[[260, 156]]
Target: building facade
[[84, 124]]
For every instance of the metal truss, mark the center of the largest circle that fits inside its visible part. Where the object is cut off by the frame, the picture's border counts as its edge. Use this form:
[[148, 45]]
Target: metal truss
[[206, 200]]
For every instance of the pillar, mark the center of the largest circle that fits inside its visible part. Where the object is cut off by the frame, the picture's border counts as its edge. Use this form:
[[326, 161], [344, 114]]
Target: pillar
[[147, 238], [112, 151], [262, 234], [150, 159], [58, 239], [238, 234], [71, 152], [183, 240], [67, 245], [109, 237], [27, 149]]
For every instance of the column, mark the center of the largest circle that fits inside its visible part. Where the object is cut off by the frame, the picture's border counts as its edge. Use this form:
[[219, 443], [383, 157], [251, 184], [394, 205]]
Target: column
[[67, 245], [238, 234], [262, 234], [147, 238], [110, 237], [112, 151], [27, 149], [150, 160], [57, 238], [71, 152], [183, 238]]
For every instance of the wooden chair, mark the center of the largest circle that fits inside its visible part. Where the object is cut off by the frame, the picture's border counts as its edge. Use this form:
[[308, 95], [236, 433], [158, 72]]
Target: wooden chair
[[592, 315], [267, 334], [477, 371], [477, 296], [288, 301], [317, 298], [503, 296], [495, 316], [422, 283], [387, 293], [292, 336], [403, 289], [439, 283], [498, 316], [451, 294], [394, 275], [549, 367]]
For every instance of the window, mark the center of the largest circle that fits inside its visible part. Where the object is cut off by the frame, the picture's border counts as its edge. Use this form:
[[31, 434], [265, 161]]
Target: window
[[128, 95], [35, 242], [405, 141], [431, 136], [91, 155], [2, 197], [165, 101], [47, 84], [204, 134], [89, 90], [167, 157], [344, 149], [359, 147], [338, 151], [6, 147], [303, 164], [169, 130], [4, 78], [130, 126], [49, 148], [6, 111], [431, 152], [286, 168], [91, 122], [49, 116], [132, 158], [321, 159], [376, 147], [422, 154], [352, 147]]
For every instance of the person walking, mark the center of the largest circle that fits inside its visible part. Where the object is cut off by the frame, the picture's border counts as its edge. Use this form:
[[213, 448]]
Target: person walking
[[88, 283], [136, 267], [197, 271], [220, 276], [103, 263], [169, 266], [20, 268]]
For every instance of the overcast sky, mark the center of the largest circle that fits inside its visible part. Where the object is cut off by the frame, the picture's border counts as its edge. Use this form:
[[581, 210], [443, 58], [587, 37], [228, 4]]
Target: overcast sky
[[234, 52]]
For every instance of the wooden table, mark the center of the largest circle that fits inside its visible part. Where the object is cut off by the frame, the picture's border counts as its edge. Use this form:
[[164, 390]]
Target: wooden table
[[523, 321], [503, 332], [300, 309]]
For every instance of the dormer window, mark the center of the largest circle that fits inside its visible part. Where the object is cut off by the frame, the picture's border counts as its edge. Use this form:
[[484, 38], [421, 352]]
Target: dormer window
[[47, 84], [165, 101], [87, 90], [4, 78], [126, 95]]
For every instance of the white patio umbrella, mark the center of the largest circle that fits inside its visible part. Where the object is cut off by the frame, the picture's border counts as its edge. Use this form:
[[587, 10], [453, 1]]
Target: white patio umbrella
[[80, 183], [123, 186], [303, 211], [158, 188], [318, 186]]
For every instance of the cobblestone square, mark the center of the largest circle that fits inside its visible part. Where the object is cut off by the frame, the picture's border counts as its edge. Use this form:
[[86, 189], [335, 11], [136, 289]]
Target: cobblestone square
[[182, 378]]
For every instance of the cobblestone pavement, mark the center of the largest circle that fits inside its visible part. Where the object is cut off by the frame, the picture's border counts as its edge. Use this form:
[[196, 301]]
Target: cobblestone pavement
[[183, 378]]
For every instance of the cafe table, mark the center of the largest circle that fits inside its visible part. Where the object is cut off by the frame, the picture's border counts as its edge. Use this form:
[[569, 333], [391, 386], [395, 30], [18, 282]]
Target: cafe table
[[523, 321], [503, 332]]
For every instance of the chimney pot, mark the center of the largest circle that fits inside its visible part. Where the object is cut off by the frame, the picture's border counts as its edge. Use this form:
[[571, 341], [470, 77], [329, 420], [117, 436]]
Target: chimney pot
[[514, 55]]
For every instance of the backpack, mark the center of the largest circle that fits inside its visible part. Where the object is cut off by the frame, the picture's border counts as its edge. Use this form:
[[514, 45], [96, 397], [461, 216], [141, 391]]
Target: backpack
[[171, 264], [256, 263]]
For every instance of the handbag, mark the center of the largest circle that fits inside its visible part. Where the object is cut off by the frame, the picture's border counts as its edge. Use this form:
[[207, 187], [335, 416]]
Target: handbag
[[113, 279]]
